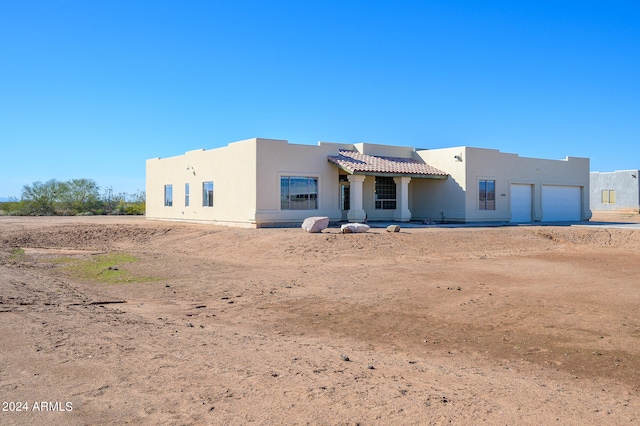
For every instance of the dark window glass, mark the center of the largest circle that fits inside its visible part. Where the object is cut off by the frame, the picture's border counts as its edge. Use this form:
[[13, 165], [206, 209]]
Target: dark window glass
[[207, 194], [385, 193], [298, 193], [168, 195], [487, 194]]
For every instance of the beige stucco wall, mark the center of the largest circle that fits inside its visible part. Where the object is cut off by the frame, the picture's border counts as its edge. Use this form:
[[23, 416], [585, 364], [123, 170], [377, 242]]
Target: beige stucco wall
[[232, 171], [441, 199], [458, 197], [383, 150], [279, 158], [246, 177]]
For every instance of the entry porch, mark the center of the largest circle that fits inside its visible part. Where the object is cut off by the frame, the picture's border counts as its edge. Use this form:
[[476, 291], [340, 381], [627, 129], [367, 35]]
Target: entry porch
[[378, 188]]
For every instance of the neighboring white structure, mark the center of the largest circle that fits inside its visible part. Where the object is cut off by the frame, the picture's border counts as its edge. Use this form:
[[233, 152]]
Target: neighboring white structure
[[617, 191], [265, 182]]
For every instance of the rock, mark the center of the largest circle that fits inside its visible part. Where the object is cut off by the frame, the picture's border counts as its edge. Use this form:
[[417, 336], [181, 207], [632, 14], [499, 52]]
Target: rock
[[352, 228], [393, 228], [315, 224], [361, 227]]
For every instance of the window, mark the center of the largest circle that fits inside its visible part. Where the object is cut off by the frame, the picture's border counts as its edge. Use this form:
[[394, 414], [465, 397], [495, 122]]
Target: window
[[207, 194], [608, 196], [298, 193], [487, 194], [186, 195], [385, 193], [168, 195]]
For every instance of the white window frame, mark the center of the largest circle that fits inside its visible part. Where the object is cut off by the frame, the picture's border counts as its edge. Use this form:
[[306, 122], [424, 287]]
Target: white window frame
[[207, 196], [300, 175], [483, 204], [382, 202], [168, 195], [606, 196]]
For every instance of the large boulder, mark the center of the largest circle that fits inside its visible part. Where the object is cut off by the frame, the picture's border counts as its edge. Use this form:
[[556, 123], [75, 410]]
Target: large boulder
[[315, 224], [354, 228], [393, 228]]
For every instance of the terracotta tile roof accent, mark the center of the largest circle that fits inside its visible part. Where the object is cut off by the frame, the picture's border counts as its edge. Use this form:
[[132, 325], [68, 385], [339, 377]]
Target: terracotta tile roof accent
[[357, 163]]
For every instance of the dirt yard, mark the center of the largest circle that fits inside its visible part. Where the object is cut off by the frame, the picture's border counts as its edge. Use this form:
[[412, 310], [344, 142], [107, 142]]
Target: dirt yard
[[116, 320]]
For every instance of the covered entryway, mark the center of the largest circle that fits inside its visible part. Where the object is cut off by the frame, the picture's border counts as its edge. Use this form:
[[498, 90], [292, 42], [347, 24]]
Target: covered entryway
[[561, 203], [521, 203], [392, 177]]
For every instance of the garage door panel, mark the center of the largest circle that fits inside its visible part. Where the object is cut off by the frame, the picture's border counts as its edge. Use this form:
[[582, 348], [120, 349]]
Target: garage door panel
[[561, 203]]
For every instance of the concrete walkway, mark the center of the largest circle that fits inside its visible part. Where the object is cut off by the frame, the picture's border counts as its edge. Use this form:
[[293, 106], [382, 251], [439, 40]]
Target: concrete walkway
[[585, 224]]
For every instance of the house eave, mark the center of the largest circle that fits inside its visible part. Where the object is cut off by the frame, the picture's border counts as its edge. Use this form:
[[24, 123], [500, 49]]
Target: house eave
[[413, 175]]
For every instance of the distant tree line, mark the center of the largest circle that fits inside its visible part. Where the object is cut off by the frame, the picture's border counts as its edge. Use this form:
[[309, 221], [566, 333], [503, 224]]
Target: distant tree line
[[71, 198]]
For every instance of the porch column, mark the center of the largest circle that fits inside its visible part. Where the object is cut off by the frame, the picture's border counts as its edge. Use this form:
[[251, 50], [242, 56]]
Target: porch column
[[356, 212], [402, 213]]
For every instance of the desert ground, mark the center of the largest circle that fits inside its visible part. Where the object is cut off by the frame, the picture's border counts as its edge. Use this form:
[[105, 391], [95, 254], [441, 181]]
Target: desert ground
[[113, 320]]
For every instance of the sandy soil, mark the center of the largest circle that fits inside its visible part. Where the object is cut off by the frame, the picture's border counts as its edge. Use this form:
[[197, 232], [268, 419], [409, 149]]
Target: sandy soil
[[519, 325]]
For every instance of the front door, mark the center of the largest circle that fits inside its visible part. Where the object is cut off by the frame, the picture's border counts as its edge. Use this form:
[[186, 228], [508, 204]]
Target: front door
[[344, 199]]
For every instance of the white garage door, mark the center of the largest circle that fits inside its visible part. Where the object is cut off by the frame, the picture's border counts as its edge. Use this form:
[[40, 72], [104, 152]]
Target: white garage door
[[561, 203], [520, 203]]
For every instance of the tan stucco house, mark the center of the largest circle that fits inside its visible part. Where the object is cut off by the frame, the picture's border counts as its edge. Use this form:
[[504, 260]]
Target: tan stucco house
[[266, 182]]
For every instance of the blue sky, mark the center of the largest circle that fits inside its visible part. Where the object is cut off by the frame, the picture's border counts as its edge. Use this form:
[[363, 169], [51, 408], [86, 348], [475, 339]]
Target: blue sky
[[91, 89]]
